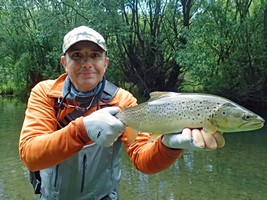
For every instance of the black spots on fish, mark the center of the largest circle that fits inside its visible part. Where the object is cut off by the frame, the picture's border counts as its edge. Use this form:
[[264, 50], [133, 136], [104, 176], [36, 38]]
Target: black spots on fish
[[221, 111], [212, 115], [150, 124], [166, 104], [199, 106], [191, 118]]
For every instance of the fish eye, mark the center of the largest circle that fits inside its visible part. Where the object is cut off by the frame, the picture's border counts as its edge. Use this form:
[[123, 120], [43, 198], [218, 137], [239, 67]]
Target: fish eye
[[246, 117]]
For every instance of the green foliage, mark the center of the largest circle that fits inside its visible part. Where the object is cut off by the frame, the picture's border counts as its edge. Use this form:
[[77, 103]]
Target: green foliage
[[145, 37], [191, 45], [226, 52]]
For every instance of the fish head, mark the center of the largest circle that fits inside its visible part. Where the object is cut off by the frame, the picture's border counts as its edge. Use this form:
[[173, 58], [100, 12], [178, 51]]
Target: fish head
[[231, 117]]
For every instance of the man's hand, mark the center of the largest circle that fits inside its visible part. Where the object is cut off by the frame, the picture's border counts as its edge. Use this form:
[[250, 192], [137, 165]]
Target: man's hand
[[102, 127], [194, 139]]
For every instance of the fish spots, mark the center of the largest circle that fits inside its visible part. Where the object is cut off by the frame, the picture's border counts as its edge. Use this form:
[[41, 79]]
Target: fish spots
[[170, 113]]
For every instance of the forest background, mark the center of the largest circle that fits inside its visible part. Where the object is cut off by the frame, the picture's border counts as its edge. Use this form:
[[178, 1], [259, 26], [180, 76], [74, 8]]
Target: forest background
[[217, 47]]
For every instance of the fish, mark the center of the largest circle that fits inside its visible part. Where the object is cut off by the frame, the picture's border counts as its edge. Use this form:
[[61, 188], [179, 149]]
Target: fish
[[171, 112]]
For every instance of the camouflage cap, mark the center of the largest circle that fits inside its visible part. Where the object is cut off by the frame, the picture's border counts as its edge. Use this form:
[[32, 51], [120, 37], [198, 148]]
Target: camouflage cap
[[83, 33]]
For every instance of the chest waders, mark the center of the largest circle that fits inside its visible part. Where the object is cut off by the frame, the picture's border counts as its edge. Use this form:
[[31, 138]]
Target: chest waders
[[108, 92]]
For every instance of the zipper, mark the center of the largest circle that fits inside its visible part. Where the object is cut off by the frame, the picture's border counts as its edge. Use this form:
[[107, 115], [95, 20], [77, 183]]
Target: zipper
[[83, 173], [55, 182]]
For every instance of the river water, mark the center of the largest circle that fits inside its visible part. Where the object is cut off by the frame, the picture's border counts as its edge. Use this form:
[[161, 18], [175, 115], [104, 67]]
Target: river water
[[238, 171]]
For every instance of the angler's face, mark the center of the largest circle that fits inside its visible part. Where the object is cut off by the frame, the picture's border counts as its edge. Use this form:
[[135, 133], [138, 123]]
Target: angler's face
[[86, 64]]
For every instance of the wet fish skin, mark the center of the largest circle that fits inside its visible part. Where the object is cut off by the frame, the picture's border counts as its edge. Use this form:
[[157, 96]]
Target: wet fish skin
[[169, 112]]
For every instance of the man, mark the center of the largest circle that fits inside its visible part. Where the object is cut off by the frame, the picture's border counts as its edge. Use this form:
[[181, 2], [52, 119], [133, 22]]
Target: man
[[71, 135]]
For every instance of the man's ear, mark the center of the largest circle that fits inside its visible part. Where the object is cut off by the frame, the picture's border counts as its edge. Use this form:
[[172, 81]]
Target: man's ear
[[106, 63], [63, 62]]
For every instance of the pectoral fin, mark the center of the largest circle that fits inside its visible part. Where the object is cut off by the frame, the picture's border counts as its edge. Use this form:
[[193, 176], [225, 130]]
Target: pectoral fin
[[131, 135], [210, 126], [154, 137]]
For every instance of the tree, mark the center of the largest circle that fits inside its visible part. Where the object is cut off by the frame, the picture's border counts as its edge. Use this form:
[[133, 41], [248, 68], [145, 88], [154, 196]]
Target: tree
[[153, 44], [224, 53], [147, 36]]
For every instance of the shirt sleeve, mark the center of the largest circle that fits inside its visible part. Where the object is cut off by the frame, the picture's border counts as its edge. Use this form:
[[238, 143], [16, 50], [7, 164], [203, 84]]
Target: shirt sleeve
[[41, 145], [150, 156]]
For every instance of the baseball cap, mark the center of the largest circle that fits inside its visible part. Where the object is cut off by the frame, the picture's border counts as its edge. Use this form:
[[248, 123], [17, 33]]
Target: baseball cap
[[83, 33]]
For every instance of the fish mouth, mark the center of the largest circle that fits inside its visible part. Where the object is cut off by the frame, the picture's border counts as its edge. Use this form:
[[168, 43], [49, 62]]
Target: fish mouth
[[260, 122], [254, 125], [257, 123]]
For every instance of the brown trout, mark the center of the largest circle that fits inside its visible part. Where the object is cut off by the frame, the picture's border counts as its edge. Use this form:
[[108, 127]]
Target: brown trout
[[170, 112]]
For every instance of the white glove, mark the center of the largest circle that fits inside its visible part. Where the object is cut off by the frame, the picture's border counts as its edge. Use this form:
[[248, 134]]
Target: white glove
[[180, 141], [102, 127]]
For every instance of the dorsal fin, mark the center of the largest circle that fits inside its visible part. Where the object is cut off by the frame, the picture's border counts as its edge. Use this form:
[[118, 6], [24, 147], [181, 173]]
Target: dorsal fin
[[158, 95]]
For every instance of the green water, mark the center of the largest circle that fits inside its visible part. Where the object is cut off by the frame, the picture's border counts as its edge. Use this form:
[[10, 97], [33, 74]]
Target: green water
[[238, 171]]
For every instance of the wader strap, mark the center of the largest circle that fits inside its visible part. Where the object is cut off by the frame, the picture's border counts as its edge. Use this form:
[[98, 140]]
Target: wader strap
[[35, 180], [107, 94]]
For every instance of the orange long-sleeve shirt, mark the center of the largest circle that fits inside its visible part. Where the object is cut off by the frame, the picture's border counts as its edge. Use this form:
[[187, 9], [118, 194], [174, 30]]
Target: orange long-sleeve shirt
[[41, 145]]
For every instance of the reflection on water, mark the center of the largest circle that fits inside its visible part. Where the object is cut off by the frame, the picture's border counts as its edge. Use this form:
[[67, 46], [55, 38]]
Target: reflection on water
[[13, 176], [237, 171]]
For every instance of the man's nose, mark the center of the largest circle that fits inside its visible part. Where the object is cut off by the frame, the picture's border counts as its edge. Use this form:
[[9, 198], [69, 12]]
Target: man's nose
[[87, 61]]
